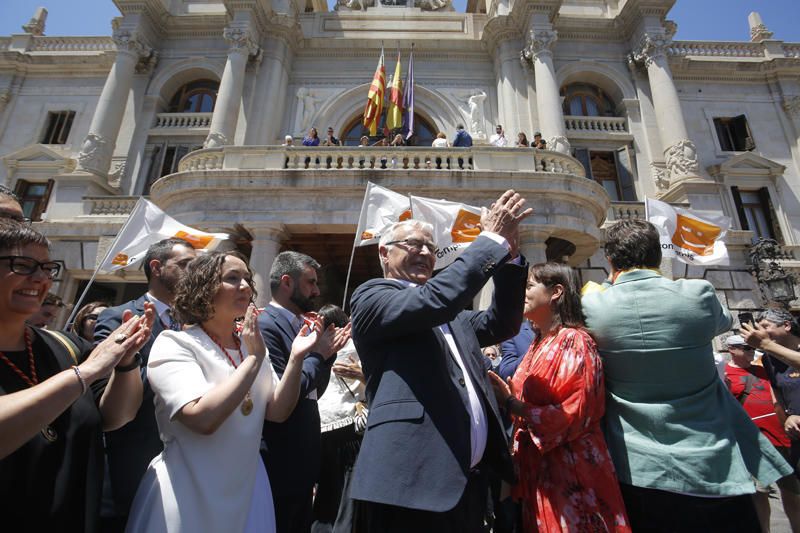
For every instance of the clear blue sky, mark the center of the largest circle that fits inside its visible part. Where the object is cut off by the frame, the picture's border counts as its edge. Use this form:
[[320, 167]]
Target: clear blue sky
[[712, 20]]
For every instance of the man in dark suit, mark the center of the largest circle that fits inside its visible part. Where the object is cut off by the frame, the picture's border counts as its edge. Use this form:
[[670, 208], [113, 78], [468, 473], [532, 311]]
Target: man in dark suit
[[434, 430], [514, 349], [131, 448], [291, 450]]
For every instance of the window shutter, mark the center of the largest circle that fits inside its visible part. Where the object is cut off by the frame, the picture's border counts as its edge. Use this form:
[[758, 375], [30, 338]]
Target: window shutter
[[737, 200], [625, 173], [582, 155], [766, 206]]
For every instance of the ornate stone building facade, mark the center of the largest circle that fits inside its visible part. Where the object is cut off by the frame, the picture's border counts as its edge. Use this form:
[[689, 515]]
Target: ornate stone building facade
[[188, 102]]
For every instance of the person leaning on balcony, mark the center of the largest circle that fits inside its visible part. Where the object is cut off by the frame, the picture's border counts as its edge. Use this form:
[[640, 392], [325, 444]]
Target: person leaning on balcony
[[53, 407], [538, 142], [685, 451], [499, 137], [312, 139], [522, 140]]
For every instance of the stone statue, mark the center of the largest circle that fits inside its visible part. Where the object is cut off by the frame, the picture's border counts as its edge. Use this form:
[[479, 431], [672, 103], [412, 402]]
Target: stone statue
[[306, 108], [476, 116], [95, 154], [35, 26]]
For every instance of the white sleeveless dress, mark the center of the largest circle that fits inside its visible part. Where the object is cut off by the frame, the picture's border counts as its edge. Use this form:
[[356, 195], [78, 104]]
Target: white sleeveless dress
[[203, 483]]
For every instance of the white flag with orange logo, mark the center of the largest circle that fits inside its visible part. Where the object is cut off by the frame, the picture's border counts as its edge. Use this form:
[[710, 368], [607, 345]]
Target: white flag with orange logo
[[146, 225], [694, 239], [455, 225], [381, 208]]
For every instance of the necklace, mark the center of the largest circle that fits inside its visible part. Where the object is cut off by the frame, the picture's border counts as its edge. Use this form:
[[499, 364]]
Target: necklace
[[247, 403], [48, 432]]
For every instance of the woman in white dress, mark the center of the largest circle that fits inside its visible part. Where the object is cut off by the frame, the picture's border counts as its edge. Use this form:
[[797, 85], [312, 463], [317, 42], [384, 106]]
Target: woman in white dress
[[213, 390]]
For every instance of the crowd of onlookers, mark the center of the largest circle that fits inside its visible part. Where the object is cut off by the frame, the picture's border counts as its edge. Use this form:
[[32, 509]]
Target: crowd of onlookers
[[556, 408]]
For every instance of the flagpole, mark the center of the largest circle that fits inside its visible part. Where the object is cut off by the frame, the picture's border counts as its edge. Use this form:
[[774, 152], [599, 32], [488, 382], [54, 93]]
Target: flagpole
[[97, 268], [353, 251]]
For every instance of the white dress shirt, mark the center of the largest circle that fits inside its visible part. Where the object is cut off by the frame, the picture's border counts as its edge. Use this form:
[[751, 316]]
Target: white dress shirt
[[498, 139], [162, 310]]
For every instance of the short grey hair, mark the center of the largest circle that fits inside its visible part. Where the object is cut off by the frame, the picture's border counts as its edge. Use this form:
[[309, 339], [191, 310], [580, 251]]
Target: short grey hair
[[289, 263], [391, 234], [780, 316]]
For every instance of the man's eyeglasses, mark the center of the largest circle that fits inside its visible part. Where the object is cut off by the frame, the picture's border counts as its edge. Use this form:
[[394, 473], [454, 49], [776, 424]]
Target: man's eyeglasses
[[26, 266], [416, 245]]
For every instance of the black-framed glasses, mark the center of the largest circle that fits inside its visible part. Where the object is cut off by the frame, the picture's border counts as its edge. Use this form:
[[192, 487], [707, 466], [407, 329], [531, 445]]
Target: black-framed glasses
[[26, 266], [416, 244]]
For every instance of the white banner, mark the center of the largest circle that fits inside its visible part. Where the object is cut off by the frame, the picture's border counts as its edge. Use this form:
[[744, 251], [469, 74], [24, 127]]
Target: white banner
[[381, 208], [694, 239], [146, 225], [455, 225]]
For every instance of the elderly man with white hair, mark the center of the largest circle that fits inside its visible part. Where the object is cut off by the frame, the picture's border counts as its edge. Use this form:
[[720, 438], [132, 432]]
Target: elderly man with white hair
[[434, 429]]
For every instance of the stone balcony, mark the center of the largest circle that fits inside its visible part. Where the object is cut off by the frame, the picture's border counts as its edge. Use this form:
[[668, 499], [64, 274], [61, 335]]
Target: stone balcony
[[178, 124], [304, 190], [597, 127]]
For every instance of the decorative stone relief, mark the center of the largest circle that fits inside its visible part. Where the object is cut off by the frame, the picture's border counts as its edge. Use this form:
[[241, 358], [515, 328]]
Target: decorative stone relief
[[147, 64], [471, 104], [432, 5], [353, 5], [5, 98], [759, 33], [129, 42], [116, 175], [538, 42], [681, 159], [240, 40], [791, 104], [215, 139], [651, 47], [95, 154], [559, 144], [307, 101], [660, 177]]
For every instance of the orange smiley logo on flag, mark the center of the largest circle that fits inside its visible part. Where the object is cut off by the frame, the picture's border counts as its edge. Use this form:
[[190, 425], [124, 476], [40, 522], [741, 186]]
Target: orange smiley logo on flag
[[197, 241], [405, 215], [120, 259], [465, 227], [695, 235]]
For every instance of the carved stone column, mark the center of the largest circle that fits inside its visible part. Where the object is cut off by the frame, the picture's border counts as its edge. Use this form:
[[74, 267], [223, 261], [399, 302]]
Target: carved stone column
[[229, 97], [680, 152], [266, 245], [507, 67], [538, 50], [97, 148]]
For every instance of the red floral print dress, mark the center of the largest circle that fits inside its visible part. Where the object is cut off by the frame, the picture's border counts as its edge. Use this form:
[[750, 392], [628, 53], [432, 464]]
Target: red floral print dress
[[566, 478]]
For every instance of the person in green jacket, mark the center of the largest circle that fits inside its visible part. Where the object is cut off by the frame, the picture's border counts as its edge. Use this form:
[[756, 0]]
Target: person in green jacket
[[685, 451]]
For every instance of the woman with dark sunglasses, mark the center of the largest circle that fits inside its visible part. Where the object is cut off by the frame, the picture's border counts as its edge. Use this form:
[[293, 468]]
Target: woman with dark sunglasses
[[87, 318], [53, 409]]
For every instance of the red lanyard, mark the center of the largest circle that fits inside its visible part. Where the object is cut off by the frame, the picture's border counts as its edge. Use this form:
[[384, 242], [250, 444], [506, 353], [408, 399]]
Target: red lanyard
[[34, 378], [238, 347]]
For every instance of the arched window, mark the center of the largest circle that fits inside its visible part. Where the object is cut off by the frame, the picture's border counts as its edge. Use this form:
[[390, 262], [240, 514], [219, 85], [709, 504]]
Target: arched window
[[424, 132], [586, 100], [195, 97]]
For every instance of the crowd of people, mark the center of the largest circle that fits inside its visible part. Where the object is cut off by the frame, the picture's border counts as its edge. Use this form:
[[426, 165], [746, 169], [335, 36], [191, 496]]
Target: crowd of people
[[553, 409]]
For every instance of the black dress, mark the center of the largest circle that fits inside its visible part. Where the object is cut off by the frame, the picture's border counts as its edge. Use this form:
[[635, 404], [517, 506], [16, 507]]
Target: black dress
[[53, 486]]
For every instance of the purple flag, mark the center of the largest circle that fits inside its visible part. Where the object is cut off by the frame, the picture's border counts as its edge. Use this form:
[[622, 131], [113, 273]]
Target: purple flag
[[408, 98]]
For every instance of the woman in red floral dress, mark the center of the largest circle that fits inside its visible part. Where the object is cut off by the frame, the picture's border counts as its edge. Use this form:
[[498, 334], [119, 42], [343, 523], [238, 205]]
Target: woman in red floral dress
[[557, 398]]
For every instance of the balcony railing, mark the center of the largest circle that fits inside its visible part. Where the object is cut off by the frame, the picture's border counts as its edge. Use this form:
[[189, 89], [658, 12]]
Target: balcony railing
[[110, 205], [71, 44], [476, 158], [577, 124], [716, 49], [792, 50], [183, 120]]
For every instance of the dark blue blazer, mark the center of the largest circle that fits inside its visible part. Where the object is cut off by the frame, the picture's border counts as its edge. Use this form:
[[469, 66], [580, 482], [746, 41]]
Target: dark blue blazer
[[131, 448], [291, 450], [463, 139], [513, 350], [416, 449]]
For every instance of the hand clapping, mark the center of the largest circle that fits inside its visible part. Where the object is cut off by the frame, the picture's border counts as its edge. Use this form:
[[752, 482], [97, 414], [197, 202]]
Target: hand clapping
[[251, 334], [504, 216]]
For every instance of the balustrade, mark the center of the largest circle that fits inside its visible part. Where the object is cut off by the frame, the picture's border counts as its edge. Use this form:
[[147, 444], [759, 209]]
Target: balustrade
[[71, 44], [183, 120], [110, 205], [596, 124], [716, 49]]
